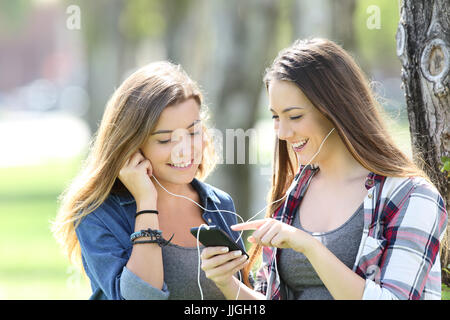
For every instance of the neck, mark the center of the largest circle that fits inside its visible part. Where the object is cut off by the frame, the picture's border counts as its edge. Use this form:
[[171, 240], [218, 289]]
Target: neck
[[167, 200], [341, 166]]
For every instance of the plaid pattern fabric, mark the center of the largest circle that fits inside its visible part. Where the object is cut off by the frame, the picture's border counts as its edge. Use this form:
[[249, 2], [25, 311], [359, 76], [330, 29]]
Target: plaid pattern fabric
[[404, 221]]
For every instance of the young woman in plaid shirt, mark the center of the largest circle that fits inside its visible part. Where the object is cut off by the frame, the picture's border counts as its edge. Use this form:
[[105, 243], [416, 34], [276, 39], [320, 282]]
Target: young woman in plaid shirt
[[315, 86]]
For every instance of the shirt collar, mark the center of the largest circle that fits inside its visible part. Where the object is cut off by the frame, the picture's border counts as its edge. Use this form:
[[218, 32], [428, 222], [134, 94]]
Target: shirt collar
[[204, 190], [373, 179]]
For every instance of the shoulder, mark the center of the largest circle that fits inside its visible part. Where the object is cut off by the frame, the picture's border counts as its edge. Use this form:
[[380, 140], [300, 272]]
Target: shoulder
[[402, 187], [427, 196], [221, 195], [417, 201]]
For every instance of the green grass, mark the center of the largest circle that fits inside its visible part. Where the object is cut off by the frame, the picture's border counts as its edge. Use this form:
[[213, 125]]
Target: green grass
[[32, 266]]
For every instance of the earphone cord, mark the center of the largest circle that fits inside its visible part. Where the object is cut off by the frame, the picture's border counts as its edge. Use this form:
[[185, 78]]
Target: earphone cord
[[204, 225], [199, 261]]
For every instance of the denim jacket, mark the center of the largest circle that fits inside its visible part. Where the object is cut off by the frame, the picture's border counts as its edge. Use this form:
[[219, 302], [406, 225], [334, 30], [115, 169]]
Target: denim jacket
[[104, 237]]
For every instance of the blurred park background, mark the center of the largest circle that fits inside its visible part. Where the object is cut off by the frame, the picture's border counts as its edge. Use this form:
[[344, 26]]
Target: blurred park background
[[61, 60]]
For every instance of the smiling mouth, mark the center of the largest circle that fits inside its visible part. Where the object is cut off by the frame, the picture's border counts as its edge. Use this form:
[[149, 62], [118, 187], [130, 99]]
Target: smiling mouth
[[182, 166], [299, 145]]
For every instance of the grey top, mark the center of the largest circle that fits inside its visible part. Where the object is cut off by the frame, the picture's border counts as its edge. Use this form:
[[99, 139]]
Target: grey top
[[298, 274], [181, 275], [180, 278]]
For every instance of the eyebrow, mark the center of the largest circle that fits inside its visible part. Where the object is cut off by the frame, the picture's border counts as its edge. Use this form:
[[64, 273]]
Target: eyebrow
[[288, 109], [169, 131]]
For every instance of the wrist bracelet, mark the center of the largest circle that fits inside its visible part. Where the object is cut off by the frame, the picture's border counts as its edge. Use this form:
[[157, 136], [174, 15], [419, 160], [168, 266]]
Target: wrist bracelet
[[155, 237], [153, 234], [146, 211], [160, 242]]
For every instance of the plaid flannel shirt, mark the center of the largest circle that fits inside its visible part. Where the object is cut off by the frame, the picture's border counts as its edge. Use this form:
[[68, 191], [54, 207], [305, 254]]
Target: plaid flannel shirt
[[404, 221]]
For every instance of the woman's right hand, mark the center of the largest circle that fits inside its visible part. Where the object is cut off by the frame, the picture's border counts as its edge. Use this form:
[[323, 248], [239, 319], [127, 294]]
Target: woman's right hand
[[220, 265], [135, 175]]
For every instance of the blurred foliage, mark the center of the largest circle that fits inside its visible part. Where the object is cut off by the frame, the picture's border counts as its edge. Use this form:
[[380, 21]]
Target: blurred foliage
[[285, 26], [377, 45], [446, 165], [142, 18], [13, 15]]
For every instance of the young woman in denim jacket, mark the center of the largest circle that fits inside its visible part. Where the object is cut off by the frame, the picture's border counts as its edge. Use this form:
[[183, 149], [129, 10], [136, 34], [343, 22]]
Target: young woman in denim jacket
[[152, 128], [361, 221]]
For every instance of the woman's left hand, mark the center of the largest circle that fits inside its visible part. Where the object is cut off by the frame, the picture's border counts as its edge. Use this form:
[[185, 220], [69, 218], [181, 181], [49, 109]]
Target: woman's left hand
[[273, 233]]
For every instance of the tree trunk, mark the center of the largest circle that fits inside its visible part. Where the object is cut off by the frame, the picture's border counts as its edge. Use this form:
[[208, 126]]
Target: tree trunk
[[423, 46]]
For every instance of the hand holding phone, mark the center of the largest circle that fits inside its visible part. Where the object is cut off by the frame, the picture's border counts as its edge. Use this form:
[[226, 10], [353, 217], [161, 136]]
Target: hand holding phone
[[220, 266], [213, 236]]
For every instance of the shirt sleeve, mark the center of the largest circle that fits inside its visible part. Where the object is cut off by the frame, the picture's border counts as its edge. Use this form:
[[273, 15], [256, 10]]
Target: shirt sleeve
[[105, 257], [411, 249]]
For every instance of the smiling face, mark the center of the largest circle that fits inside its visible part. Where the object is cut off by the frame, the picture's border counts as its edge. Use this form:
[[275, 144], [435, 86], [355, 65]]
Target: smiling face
[[298, 121], [175, 147]]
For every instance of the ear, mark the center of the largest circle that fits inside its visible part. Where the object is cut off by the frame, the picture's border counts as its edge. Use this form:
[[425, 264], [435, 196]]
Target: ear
[[143, 154]]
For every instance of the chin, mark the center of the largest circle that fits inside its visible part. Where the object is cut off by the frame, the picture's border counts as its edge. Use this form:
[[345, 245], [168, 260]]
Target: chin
[[174, 176]]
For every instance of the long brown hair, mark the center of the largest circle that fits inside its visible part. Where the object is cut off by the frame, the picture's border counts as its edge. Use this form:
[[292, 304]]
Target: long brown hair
[[337, 87], [130, 116]]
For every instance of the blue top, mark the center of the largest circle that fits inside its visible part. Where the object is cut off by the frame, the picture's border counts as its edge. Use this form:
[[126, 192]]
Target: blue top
[[104, 237]]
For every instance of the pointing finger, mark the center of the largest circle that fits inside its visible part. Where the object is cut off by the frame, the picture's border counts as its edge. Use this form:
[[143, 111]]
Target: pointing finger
[[253, 225]]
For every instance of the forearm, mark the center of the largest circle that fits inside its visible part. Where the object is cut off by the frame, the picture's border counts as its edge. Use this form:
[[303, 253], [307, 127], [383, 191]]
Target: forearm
[[230, 291], [146, 259], [341, 282]]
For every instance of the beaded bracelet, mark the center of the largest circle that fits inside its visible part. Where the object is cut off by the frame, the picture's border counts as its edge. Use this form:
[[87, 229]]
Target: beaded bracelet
[[153, 234], [155, 237]]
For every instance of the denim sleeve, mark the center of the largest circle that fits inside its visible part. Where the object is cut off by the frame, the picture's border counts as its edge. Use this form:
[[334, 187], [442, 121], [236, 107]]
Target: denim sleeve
[[134, 288], [105, 249]]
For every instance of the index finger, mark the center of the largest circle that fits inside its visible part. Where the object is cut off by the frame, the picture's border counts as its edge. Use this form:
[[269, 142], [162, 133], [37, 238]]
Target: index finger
[[253, 225]]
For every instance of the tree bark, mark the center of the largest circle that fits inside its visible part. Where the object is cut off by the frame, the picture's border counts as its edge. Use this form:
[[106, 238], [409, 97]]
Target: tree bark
[[423, 46]]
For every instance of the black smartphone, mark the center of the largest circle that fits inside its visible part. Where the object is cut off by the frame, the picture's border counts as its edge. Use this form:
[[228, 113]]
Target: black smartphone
[[213, 236]]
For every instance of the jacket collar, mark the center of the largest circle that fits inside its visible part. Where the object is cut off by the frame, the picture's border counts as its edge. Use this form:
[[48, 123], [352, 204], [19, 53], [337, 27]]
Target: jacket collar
[[204, 190]]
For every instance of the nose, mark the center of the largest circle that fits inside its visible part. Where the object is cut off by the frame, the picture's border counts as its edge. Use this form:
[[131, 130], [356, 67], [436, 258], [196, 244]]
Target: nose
[[186, 149], [182, 151], [284, 130]]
